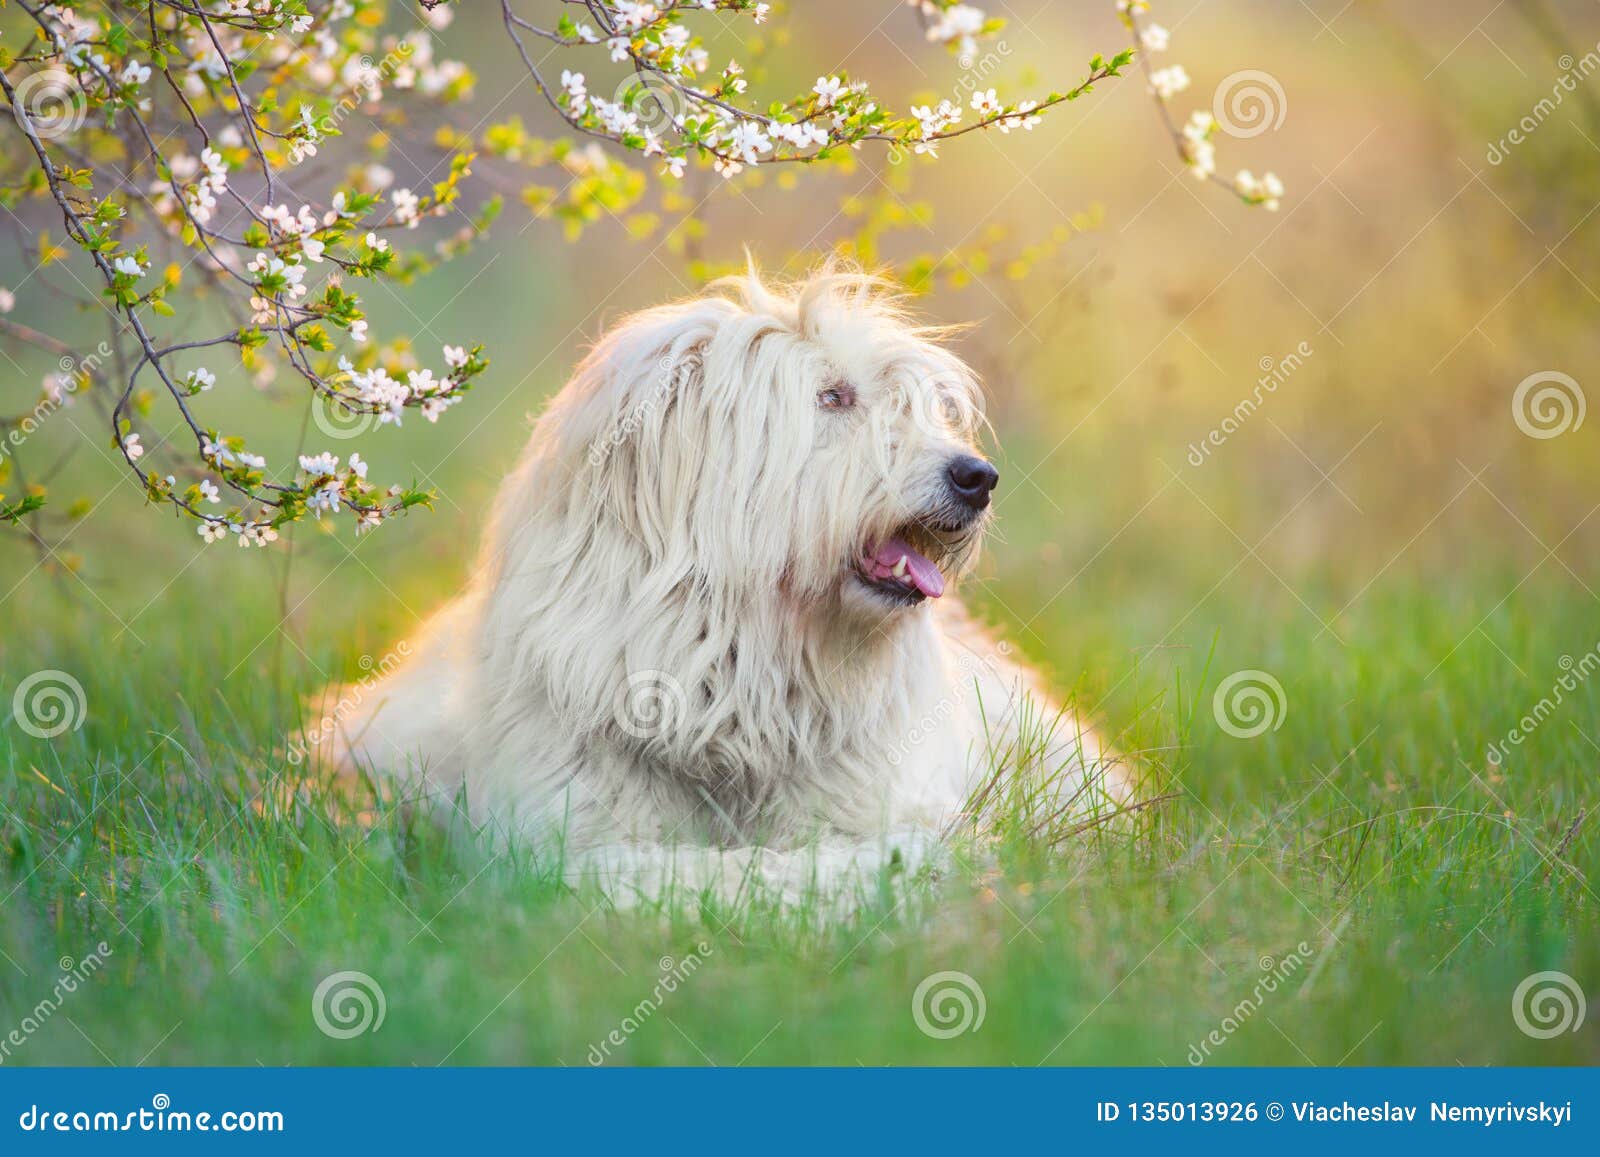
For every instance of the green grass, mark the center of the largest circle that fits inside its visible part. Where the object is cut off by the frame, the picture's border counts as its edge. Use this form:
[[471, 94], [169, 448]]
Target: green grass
[[1367, 826]]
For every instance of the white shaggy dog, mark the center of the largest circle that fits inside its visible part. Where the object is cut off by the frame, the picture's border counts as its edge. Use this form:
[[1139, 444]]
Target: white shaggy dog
[[711, 635]]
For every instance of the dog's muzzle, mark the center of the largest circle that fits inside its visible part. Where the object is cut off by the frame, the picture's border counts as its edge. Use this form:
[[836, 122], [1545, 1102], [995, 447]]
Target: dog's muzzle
[[972, 480], [902, 566]]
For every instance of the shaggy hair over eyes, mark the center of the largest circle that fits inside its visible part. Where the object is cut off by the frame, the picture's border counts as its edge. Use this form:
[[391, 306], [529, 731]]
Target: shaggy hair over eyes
[[712, 613]]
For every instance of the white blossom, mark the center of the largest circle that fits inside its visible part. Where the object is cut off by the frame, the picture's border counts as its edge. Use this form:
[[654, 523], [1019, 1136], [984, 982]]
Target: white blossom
[[829, 89], [748, 142], [1264, 192], [433, 407], [1167, 82], [960, 23], [634, 16], [405, 208], [578, 95], [1197, 146], [255, 535], [326, 498], [934, 120], [1022, 117]]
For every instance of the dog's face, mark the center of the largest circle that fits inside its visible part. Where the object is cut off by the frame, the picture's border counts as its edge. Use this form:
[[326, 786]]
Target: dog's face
[[815, 449], [894, 488]]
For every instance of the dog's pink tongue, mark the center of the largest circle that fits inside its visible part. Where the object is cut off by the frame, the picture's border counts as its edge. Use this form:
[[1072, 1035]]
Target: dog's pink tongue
[[919, 569]]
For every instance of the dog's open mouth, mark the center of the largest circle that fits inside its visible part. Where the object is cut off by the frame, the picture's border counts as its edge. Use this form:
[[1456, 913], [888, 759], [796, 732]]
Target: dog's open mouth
[[898, 570]]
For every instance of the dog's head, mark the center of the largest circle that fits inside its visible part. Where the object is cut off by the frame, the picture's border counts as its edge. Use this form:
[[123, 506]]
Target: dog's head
[[810, 443]]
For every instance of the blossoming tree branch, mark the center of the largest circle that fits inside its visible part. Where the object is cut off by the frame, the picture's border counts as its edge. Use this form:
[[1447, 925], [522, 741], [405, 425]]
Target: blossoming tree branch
[[185, 145]]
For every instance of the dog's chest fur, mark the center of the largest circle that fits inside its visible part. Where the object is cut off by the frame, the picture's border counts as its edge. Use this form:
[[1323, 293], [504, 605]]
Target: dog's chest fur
[[781, 738]]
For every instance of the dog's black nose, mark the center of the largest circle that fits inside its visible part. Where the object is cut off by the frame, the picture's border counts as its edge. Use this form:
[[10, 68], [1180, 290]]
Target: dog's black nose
[[972, 479]]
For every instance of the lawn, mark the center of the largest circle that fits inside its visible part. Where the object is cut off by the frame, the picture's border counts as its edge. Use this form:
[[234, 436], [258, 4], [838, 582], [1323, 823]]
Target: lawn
[[1378, 539], [1358, 885]]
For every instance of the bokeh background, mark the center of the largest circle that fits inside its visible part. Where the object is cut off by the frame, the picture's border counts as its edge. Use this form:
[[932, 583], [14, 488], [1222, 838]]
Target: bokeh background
[[1381, 533], [1427, 281]]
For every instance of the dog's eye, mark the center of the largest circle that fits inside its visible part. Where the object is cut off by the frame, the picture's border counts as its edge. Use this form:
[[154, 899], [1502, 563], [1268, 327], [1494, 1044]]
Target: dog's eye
[[837, 397]]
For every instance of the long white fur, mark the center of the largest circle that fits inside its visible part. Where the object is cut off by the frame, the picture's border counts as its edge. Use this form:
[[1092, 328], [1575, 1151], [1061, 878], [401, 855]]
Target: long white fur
[[664, 664]]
